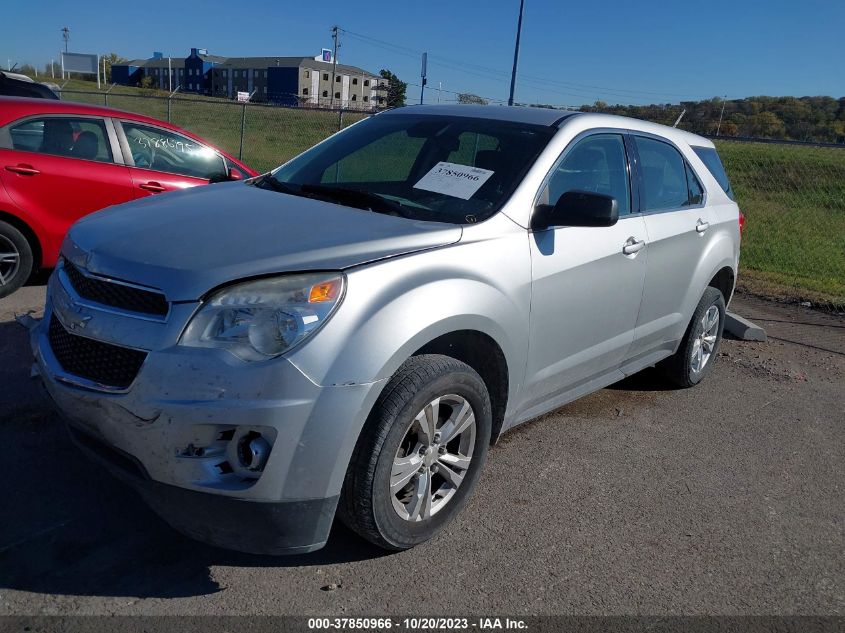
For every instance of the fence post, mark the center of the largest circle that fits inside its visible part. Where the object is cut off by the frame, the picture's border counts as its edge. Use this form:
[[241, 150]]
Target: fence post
[[340, 119], [243, 130]]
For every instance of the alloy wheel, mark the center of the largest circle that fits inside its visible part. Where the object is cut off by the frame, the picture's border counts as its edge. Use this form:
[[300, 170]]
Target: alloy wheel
[[10, 260], [433, 458], [705, 342]]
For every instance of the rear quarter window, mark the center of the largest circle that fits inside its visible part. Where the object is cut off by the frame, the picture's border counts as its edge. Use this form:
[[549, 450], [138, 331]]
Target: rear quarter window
[[711, 160]]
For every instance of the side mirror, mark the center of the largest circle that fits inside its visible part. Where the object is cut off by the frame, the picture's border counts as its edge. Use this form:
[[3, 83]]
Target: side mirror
[[577, 208], [234, 174]]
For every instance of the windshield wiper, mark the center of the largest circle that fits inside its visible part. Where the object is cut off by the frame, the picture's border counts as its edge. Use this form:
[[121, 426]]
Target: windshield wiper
[[357, 198], [268, 181]]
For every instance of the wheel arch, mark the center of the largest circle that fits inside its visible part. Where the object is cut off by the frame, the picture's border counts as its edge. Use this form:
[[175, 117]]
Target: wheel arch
[[481, 352]]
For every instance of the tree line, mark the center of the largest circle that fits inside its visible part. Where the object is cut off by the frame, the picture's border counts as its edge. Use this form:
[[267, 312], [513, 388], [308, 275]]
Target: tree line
[[817, 119]]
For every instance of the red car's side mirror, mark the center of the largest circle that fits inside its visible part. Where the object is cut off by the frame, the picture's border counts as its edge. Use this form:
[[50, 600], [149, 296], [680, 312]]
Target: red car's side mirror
[[234, 174]]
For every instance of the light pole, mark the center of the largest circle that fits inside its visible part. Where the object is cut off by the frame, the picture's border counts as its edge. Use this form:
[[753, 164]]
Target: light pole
[[516, 51]]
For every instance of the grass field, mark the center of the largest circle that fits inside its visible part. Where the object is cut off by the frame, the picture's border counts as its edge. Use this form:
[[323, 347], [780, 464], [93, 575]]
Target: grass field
[[793, 196], [794, 201]]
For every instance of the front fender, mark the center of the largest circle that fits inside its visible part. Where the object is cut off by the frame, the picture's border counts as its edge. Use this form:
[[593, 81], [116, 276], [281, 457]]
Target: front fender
[[394, 307]]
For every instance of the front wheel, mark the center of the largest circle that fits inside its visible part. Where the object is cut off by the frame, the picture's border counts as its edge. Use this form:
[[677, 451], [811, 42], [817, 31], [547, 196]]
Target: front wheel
[[695, 356], [420, 453]]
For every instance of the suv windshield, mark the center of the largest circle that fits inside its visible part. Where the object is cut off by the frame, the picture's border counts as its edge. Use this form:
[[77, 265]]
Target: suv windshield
[[428, 167]]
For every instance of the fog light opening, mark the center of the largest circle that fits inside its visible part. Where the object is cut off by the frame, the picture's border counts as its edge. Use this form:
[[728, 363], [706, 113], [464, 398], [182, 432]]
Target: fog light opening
[[253, 451]]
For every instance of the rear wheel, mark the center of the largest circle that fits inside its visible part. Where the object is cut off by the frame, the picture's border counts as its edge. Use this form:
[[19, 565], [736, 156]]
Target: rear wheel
[[420, 454], [695, 356], [15, 259]]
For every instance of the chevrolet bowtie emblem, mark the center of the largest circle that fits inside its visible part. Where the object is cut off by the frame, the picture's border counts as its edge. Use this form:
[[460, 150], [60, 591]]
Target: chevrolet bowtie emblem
[[70, 314]]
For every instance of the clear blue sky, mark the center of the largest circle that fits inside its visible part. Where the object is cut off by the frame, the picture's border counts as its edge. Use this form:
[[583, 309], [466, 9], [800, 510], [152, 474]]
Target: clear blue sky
[[618, 51]]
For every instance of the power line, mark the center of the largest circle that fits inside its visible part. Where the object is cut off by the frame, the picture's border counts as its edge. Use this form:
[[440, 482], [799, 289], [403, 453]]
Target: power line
[[493, 74]]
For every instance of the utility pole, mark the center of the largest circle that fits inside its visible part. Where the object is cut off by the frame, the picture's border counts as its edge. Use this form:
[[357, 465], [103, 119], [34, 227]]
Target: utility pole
[[422, 76], [516, 51], [439, 89], [52, 68], [721, 114], [335, 36], [169, 75], [66, 36]]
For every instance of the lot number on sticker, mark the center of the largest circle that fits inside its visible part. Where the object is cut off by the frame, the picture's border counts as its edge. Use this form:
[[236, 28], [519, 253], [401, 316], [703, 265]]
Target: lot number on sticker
[[451, 179]]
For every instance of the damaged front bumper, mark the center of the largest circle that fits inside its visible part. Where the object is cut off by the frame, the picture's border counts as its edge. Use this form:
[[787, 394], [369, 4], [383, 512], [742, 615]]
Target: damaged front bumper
[[177, 432]]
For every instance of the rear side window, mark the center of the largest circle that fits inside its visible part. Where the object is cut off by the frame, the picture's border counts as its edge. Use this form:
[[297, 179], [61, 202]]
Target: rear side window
[[60, 136], [163, 150], [663, 174], [711, 160]]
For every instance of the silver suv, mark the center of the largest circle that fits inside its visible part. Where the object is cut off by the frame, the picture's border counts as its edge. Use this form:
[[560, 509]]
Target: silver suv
[[349, 333]]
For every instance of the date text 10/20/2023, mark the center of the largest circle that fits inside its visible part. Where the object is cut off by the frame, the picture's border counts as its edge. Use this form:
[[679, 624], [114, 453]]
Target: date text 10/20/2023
[[416, 624]]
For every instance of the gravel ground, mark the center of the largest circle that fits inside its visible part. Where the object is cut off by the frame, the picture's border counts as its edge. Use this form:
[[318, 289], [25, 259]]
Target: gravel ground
[[639, 499]]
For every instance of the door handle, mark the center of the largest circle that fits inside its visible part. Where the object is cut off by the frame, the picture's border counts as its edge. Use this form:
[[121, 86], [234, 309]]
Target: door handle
[[632, 246], [153, 187], [701, 225], [24, 170]]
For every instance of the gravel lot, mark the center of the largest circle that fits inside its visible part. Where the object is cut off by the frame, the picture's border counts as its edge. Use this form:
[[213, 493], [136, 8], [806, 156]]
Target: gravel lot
[[724, 499]]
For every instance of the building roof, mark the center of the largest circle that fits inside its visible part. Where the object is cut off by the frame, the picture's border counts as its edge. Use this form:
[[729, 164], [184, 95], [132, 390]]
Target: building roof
[[253, 62]]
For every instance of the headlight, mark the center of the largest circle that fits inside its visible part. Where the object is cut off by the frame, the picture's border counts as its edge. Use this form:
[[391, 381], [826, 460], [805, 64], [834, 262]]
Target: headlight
[[257, 320]]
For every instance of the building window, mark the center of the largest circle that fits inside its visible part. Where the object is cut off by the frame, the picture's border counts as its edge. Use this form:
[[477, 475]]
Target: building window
[[366, 82], [366, 98], [337, 95], [307, 74], [325, 76], [305, 91], [337, 79], [354, 97], [325, 93], [354, 81]]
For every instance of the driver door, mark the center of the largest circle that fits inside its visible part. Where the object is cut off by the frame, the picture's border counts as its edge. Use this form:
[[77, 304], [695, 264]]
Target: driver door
[[586, 291], [163, 160]]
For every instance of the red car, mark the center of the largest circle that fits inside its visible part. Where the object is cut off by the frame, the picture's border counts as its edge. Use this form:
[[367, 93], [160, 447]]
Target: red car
[[60, 161]]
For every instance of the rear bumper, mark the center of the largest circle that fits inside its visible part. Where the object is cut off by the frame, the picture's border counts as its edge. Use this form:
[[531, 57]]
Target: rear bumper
[[254, 527]]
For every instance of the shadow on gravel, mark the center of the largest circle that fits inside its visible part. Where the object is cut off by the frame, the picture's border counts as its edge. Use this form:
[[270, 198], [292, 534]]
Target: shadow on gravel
[[649, 379], [68, 527]]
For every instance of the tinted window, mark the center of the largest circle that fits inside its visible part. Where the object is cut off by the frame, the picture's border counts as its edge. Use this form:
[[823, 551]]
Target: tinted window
[[597, 163], [163, 150], [664, 177], [60, 136], [696, 191], [711, 160], [444, 168]]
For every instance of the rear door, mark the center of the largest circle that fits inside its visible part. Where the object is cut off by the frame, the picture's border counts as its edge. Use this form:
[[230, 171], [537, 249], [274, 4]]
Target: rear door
[[60, 168], [587, 282], [678, 226], [162, 160]]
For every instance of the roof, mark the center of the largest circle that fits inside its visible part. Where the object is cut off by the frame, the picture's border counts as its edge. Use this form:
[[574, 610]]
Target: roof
[[517, 114], [556, 118]]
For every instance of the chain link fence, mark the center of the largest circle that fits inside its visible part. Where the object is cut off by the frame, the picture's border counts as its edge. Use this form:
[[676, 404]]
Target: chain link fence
[[262, 136], [793, 195]]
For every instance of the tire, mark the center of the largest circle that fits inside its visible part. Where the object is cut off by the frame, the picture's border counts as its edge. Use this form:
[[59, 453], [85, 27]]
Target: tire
[[682, 367], [15, 259], [394, 431]]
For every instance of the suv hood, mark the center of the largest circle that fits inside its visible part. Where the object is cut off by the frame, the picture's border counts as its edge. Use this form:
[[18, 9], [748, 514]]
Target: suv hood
[[186, 243]]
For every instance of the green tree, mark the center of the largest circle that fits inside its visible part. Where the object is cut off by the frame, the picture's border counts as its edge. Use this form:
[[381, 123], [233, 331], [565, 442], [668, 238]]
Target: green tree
[[466, 97], [396, 89], [767, 125], [110, 60]]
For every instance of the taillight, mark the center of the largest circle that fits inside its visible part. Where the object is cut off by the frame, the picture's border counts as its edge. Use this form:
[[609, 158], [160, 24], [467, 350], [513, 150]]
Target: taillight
[[741, 223]]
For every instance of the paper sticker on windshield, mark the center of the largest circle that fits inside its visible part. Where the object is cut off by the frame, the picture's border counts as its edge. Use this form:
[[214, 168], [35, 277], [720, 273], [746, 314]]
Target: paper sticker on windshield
[[451, 179]]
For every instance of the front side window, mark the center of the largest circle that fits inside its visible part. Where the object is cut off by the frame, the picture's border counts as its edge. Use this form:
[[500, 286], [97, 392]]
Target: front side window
[[663, 175], [597, 164], [163, 150], [429, 167], [63, 136]]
